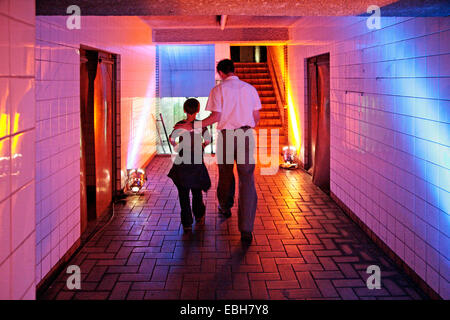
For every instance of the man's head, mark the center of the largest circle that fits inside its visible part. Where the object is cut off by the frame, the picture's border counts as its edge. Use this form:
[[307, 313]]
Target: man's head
[[225, 68], [191, 106]]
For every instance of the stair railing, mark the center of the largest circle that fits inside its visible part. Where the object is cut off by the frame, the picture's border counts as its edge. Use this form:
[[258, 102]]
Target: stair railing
[[278, 88]]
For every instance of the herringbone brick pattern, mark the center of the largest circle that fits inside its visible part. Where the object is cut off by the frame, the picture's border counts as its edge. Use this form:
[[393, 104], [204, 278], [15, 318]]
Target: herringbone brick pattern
[[305, 247]]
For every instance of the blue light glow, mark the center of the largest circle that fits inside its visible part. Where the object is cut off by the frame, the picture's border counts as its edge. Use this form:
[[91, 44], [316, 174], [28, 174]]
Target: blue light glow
[[416, 79], [186, 70]]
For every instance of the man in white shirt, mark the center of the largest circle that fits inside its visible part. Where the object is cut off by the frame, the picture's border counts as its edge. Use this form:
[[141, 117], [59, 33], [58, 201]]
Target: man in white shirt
[[234, 105]]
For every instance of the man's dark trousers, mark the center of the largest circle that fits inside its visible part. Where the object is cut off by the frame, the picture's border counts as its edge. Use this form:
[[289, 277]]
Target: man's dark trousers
[[237, 146]]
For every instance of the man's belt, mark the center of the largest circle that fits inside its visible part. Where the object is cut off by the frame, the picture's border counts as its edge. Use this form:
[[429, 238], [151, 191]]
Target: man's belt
[[243, 128]]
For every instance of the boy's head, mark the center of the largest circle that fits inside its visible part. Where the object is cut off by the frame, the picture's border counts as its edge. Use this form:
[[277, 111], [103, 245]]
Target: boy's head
[[191, 106], [225, 67]]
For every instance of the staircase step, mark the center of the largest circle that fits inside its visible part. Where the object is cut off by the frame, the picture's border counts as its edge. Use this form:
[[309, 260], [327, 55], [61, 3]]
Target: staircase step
[[268, 131], [270, 122], [269, 114], [250, 65], [255, 75], [266, 93], [254, 82], [258, 75], [270, 127], [250, 70], [262, 87], [269, 109], [268, 100], [269, 117]]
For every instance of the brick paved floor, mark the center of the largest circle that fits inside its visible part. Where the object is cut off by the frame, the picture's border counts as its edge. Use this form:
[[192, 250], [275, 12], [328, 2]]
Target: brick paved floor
[[305, 247]]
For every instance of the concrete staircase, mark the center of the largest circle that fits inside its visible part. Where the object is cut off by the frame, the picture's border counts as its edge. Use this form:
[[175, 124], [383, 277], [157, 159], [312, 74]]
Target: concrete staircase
[[257, 74]]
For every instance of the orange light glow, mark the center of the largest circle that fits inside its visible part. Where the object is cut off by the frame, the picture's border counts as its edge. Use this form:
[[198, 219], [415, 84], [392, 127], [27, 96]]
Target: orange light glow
[[4, 118], [15, 128], [294, 127], [278, 57]]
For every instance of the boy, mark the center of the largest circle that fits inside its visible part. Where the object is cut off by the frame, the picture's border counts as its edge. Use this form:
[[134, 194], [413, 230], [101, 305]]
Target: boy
[[186, 174]]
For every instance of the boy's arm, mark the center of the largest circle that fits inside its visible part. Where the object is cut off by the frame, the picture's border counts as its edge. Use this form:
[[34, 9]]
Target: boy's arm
[[206, 137], [211, 119], [172, 140]]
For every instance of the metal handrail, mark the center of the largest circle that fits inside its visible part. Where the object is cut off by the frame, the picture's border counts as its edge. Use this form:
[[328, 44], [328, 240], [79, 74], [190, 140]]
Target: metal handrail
[[281, 101], [272, 65]]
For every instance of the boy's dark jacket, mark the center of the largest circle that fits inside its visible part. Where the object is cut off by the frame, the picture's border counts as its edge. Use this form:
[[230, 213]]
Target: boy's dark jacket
[[190, 175]]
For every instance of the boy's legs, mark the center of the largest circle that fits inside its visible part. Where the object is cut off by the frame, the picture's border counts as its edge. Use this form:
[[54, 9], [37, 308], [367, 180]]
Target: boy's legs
[[198, 207], [186, 214]]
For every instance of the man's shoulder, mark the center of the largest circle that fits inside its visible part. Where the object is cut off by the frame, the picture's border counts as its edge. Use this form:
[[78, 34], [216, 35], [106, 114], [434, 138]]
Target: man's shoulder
[[234, 83], [216, 87], [247, 85], [238, 81]]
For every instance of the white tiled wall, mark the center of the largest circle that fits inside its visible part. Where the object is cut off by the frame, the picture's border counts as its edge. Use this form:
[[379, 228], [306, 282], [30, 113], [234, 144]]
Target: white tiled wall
[[17, 151], [390, 148], [58, 119], [221, 51]]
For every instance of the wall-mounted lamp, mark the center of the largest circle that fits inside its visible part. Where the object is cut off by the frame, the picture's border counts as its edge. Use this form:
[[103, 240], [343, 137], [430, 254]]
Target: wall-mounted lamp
[[289, 158], [136, 179]]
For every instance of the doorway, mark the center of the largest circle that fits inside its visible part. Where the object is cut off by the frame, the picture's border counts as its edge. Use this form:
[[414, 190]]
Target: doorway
[[97, 103], [248, 53], [318, 160]]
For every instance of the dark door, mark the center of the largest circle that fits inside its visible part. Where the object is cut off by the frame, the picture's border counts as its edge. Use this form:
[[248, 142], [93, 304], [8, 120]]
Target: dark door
[[97, 132], [103, 135], [235, 53], [319, 120], [248, 53]]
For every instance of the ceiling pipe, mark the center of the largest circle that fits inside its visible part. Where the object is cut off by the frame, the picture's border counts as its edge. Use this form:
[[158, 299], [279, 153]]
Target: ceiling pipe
[[223, 21]]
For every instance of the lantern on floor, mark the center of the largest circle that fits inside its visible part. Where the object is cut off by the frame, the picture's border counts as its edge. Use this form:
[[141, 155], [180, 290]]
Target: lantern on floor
[[136, 179], [288, 154]]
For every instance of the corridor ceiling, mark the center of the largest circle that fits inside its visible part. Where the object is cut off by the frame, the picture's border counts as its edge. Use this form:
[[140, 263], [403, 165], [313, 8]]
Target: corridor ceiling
[[209, 7], [209, 21], [241, 29], [247, 21]]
